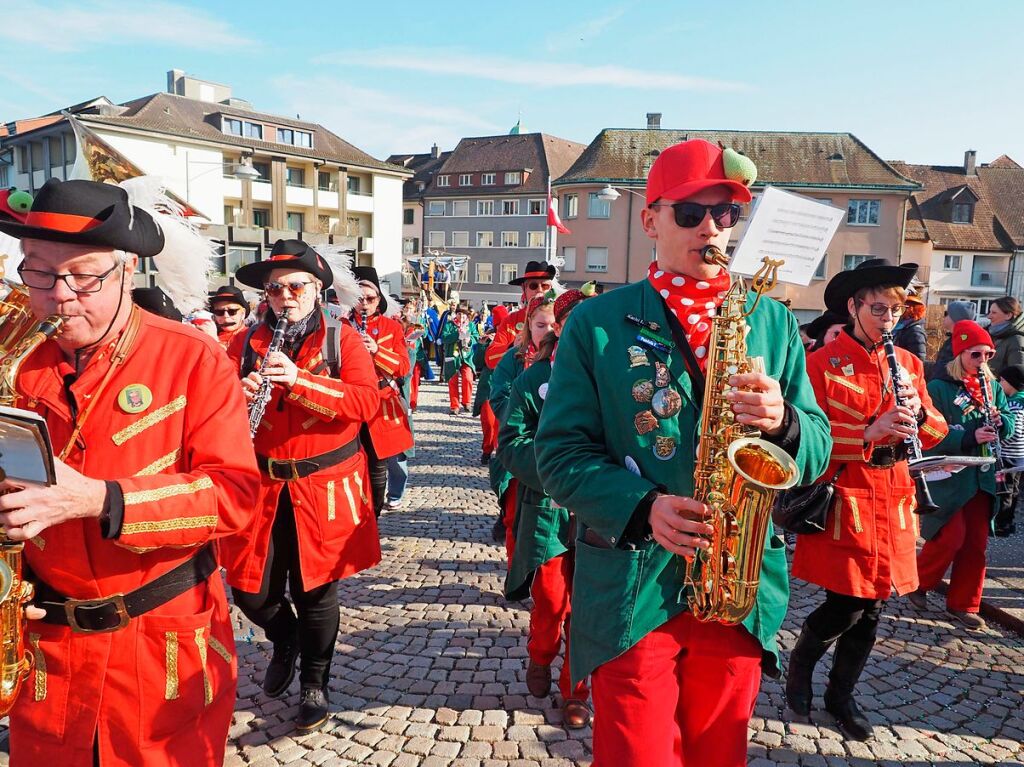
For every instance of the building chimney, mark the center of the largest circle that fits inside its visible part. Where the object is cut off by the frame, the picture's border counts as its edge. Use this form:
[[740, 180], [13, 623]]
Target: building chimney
[[654, 121], [173, 78], [435, 152], [970, 158]]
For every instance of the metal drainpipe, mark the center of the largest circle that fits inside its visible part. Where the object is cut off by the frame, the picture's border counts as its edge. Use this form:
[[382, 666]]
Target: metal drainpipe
[[629, 234]]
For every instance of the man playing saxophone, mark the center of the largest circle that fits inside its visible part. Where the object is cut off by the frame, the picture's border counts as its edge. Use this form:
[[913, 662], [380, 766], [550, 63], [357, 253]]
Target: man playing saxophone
[[130, 632], [616, 446]]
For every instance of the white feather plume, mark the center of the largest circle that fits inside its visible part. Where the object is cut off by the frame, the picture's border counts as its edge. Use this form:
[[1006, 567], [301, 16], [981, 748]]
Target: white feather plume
[[345, 284], [185, 262]]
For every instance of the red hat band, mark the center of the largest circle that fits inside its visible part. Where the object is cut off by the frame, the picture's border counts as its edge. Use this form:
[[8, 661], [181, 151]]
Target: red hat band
[[61, 222]]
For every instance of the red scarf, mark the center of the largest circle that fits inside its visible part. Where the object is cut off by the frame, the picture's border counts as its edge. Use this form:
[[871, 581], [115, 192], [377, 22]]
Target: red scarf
[[973, 386], [693, 302]]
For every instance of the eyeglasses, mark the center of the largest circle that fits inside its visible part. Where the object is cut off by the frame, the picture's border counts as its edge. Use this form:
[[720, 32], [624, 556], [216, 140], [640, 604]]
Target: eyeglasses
[[78, 283], [276, 289], [880, 310], [979, 355], [368, 299], [227, 312], [690, 214], [537, 285]]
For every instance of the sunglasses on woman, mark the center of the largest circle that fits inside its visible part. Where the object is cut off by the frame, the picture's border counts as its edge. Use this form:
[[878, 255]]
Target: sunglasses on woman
[[277, 288], [982, 355], [690, 214]]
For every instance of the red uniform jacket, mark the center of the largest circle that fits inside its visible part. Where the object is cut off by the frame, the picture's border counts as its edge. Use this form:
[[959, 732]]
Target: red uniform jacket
[[160, 691], [389, 427], [336, 528], [504, 337], [225, 339], [868, 546]]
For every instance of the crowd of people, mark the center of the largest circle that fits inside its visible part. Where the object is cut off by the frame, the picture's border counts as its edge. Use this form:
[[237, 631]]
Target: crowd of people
[[273, 441]]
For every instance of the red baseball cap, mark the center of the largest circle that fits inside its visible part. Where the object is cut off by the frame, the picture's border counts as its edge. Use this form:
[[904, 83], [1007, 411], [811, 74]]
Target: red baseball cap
[[685, 169]]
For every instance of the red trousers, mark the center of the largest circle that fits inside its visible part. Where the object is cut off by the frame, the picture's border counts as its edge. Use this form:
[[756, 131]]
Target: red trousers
[[489, 424], [465, 376], [551, 588], [961, 542], [683, 695], [414, 386], [508, 503]]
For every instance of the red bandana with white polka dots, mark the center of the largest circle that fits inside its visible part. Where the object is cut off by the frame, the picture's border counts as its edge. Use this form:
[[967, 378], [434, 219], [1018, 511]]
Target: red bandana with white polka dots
[[693, 302]]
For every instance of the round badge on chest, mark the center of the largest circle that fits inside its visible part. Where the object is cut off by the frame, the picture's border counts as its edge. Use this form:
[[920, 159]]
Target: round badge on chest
[[134, 398], [666, 403]]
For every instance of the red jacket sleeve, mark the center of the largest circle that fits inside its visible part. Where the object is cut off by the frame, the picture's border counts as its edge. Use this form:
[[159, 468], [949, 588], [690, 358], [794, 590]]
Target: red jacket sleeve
[[391, 357], [352, 398]]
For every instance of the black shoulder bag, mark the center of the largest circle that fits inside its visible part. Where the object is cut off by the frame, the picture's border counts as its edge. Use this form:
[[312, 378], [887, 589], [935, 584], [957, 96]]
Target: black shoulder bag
[[804, 510]]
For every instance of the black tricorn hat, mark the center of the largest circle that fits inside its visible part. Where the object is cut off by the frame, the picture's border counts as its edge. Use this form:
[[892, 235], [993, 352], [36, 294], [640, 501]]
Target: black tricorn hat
[[369, 274], [154, 300], [872, 273], [229, 294], [535, 270], [88, 213], [286, 254]]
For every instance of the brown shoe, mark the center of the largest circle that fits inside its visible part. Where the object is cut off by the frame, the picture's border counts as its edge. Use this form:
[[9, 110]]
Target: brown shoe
[[575, 714], [971, 621], [538, 680], [918, 599]]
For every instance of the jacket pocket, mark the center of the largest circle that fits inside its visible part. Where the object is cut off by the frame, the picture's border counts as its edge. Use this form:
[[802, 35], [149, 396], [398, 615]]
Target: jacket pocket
[[43, 699], [342, 502], [605, 585], [852, 519]]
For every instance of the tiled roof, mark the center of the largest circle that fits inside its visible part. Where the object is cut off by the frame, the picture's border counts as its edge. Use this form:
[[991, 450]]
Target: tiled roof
[[190, 118], [424, 167], [931, 212], [1004, 185], [833, 160], [543, 155]]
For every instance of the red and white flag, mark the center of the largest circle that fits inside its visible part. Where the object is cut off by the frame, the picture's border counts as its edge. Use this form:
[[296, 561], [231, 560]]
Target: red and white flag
[[553, 219]]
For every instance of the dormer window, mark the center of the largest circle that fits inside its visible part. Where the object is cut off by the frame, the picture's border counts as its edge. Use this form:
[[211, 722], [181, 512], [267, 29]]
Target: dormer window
[[513, 177], [294, 137], [232, 127], [963, 212]]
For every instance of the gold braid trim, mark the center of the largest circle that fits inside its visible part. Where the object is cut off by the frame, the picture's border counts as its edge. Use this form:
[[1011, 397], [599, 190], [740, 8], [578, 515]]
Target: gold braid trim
[[837, 457], [844, 409], [160, 464], [207, 687], [312, 405], [359, 484], [838, 526], [330, 500], [856, 515], [851, 426], [40, 665], [310, 384], [931, 431], [167, 491], [843, 382], [167, 525], [39, 541], [899, 510], [220, 649], [171, 661], [309, 422], [152, 419], [351, 499]]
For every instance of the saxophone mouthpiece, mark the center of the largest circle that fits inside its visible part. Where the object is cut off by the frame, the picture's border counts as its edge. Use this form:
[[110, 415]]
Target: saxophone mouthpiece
[[712, 255]]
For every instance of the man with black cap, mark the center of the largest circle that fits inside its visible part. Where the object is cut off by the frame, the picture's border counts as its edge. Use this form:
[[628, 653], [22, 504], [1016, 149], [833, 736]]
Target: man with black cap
[[133, 644], [230, 310], [313, 524], [386, 433], [535, 281], [869, 547]]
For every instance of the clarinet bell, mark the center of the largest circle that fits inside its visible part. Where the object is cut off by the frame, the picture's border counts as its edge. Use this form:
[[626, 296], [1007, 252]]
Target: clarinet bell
[[925, 504]]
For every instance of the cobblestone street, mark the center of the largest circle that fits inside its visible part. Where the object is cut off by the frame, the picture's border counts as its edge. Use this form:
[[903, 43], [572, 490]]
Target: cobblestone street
[[431, 661]]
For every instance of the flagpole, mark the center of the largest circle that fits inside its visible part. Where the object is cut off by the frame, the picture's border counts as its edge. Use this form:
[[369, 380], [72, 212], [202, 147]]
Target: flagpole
[[549, 227]]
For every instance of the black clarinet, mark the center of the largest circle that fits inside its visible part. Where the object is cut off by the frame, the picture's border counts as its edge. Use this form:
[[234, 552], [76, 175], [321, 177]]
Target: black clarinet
[[925, 504], [995, 449], [258, 404]]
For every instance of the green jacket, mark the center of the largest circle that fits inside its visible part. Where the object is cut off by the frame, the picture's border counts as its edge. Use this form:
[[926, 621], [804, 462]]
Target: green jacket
[[587, 438], [951, 399], [542, 527], [456, 353], [483, 376], [505, 372]]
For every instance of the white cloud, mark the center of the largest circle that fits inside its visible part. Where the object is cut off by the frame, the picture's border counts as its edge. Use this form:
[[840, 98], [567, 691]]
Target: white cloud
[[378, 122], [68, 27], [522, 71]]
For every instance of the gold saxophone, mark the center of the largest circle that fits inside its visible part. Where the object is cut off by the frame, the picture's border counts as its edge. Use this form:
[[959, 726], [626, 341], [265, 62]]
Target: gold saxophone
[[20, 335], [738, 474]]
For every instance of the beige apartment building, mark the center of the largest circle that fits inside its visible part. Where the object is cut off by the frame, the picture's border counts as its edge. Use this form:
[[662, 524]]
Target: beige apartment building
[[608, 243]]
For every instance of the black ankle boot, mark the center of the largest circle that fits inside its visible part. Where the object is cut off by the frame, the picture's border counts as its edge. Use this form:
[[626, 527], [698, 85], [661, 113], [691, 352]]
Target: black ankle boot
[[807, 652], [851, 656], [314, 707], [850, 718], [281, 669]]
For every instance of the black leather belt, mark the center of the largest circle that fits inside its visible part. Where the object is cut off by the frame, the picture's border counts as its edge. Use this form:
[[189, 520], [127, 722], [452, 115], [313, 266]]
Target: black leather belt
[[97, 616], [290, 469], [887, 456]]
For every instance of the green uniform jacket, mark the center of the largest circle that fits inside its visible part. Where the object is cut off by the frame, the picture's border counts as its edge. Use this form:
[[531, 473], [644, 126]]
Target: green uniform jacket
[[542, 528], [455, 353], [505, 372], [483, 377], [588, 436], [951, 399]]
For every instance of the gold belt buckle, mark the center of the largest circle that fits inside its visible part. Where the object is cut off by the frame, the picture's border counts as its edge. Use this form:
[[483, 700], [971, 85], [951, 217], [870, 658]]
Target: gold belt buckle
[[293, 469], [115, 599]]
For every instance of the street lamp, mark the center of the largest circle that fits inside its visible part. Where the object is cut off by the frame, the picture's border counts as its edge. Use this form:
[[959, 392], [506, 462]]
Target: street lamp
[[611, 193], [243, 171]]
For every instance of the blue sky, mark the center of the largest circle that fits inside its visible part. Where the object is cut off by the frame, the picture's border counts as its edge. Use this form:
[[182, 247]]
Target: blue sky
[[915, 80]]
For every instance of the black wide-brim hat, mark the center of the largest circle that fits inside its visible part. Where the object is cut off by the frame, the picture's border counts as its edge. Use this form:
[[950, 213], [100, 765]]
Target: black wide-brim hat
[[369, 274], [816, 327], [229, 294], [873, 273], [535, 270], [154, 300], [286, 254], [88, 213]]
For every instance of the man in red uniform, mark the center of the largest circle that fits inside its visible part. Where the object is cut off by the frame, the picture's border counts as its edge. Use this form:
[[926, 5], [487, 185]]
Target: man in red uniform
[[230, 310], [387, 433], [130, 634], [536, 280], [313, 524]]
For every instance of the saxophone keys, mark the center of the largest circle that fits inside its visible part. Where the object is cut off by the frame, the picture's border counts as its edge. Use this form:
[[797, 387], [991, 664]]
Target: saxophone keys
[[728, 563]]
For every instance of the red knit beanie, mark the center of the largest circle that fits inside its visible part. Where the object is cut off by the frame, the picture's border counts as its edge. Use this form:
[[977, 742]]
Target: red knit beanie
[[968, 333]]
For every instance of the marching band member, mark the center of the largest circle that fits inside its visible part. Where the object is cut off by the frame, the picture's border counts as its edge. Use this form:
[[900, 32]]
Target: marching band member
[[616, 445], [542, 562], [974, 405], [131, 636], [868, 548], [481, 407], [459, 335], [536, 280], [387, 433], [230, 311], [314, 523]]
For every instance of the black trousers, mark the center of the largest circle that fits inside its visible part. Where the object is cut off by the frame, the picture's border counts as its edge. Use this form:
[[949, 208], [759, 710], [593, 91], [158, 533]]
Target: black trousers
[[841, 614], [377, 468], [316, 625]]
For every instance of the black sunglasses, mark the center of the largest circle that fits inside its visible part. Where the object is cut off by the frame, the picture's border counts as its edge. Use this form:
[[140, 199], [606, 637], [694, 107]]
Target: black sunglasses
[[690, 214], [227, 312]]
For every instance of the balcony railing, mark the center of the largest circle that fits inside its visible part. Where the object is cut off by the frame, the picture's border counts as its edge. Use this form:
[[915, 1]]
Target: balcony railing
[[987, 278]]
